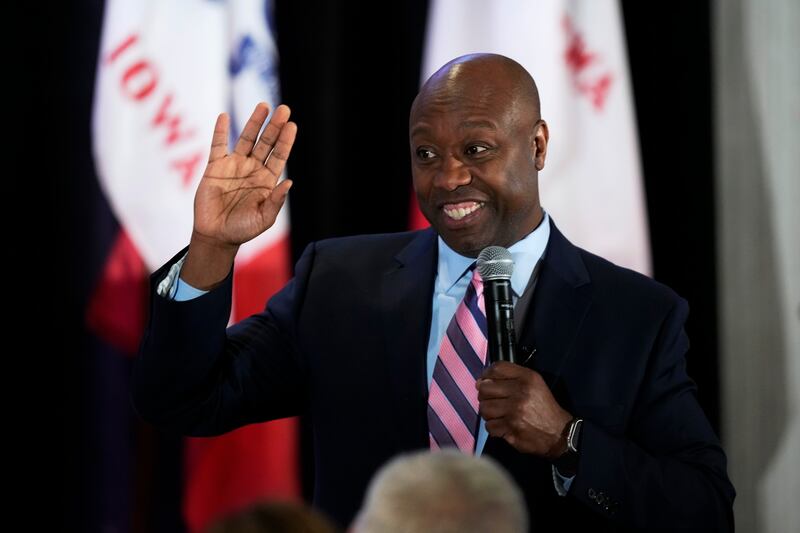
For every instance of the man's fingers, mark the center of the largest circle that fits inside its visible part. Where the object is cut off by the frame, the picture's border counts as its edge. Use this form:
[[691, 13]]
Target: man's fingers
[[489, 389], [219, 141], [276, 198], [497, 427], [283, 146], [491, 409], [250, 132], [270, 134]]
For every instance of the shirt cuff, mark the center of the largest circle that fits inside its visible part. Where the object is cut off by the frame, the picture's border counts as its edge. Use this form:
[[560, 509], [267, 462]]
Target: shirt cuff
[[561, 483], [174, 288], [184, 291]]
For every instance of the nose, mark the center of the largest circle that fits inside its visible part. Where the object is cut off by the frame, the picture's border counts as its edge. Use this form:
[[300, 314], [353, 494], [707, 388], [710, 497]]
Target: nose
[[452, 174]]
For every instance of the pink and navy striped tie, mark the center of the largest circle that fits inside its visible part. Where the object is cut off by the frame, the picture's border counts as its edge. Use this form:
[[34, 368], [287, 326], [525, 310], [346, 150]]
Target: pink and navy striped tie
[[453, 400]]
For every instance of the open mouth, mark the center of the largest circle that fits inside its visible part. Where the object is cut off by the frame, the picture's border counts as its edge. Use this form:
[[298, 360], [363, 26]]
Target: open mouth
[[462, 210]]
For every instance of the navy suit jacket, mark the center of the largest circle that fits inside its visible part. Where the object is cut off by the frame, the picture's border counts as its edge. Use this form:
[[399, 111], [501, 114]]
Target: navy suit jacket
[[344, 343]]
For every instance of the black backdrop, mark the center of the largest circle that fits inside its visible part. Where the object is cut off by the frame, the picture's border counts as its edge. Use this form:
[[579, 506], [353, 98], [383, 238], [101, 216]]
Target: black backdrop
[[349, 72]]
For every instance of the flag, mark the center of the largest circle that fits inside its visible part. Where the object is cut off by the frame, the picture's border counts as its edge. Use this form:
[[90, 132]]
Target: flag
[[165, 70], [591, 184]]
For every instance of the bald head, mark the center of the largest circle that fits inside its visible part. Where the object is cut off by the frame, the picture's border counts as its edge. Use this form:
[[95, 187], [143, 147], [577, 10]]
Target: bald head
[[492, 75]]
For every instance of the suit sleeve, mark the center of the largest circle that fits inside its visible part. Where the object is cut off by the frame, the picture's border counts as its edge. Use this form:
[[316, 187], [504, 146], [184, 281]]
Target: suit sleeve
[[195, 376], [668, 473]]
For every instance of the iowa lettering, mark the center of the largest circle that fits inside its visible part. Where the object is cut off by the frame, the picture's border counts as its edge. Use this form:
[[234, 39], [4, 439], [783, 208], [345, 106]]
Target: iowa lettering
[[139, 83], [589, 76]]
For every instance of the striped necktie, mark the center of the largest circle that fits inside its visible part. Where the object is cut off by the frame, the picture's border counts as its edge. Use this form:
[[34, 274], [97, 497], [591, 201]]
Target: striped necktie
[[453, 400]]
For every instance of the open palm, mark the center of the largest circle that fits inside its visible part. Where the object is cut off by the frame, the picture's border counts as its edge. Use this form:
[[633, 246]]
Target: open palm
[[239, 196]]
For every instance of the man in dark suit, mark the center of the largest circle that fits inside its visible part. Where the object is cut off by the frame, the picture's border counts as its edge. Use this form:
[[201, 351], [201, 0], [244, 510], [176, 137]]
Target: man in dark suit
[[599, 425]]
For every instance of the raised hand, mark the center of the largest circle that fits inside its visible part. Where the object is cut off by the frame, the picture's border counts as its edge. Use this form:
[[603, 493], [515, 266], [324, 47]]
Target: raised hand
[[239, 196]]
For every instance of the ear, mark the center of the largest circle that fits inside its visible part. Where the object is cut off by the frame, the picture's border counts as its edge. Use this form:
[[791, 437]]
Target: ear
[[541, 136]]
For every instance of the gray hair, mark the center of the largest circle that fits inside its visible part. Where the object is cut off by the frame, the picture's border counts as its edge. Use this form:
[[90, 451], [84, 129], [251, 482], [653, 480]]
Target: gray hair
[[445, 491]]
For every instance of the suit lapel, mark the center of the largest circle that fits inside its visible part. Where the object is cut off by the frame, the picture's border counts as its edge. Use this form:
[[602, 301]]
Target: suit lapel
[[560, 302], [406, 295]]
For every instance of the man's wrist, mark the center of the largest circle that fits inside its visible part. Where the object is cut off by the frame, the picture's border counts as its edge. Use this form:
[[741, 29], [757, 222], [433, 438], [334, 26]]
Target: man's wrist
[[208, 263]]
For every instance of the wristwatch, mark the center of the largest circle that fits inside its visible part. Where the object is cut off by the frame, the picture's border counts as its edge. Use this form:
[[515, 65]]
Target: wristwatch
[[567, 463], [574, 434]]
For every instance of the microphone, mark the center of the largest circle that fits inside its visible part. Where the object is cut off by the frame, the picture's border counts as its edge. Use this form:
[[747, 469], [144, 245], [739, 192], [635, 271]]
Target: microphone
[[495, 266]]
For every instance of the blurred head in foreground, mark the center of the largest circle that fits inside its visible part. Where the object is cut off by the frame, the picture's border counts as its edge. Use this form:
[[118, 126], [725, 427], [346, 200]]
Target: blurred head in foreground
[[444, 492]]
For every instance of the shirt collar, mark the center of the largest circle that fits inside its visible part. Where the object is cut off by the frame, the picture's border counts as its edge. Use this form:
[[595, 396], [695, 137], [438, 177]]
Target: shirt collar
[[525, 252]]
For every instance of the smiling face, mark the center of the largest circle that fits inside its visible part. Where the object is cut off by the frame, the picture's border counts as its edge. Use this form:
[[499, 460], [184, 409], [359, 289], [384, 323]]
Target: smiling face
[[477, 144]]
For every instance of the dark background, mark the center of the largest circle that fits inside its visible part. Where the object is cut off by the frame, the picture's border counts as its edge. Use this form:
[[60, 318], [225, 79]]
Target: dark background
[[350, 72]]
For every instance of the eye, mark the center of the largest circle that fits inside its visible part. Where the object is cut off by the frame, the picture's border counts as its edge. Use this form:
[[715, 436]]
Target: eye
[[475, 149], [425, 154]]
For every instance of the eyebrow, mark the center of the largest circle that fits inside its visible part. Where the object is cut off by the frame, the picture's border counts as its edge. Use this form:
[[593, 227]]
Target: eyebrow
[[471, 124], [420, 129], [466, 125]]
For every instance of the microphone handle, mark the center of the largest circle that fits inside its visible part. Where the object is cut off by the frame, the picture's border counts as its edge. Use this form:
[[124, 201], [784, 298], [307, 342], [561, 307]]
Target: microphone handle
[[500, 321]]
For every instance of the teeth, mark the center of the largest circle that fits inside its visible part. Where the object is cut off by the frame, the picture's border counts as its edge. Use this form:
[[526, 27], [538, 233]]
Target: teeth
[[459, 212]]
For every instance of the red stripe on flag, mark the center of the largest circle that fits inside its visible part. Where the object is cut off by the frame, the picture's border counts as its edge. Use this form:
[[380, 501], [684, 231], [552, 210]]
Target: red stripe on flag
[[116, 310], [262, 276], [416, 220], [227, 473], [256, 462]]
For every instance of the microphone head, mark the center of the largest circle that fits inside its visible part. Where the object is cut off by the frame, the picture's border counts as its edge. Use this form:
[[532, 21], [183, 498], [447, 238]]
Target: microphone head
[[495, 262]]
